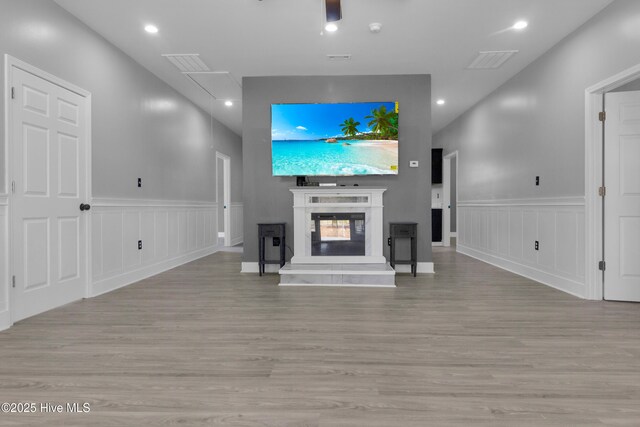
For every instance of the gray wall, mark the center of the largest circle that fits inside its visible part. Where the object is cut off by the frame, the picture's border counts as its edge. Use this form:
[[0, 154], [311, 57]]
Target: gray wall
[[534, 123], [141, 127], [268, 199]]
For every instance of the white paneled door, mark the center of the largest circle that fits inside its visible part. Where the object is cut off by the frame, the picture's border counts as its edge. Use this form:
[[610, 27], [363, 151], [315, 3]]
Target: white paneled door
[[622, 199], [48, 168]]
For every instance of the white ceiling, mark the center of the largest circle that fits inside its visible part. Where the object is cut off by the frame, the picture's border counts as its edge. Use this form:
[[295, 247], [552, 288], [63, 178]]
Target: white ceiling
[[283, 37]]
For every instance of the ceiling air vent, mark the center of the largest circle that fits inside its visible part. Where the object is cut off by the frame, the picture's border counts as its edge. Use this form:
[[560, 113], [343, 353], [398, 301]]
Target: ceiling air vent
[[489, 60], [187, 62], [339, 57]]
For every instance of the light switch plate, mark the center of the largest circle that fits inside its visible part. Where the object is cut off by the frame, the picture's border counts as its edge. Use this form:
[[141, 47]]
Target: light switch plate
[[413, 163]]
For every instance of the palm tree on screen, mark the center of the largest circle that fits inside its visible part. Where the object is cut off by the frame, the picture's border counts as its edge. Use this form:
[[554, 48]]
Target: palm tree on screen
[[350, 127], [383, 122]]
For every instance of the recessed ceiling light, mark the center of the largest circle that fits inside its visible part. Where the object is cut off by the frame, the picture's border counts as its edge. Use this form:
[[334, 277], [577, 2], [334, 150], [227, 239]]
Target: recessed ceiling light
[[331, 27], [375, 27], [440, 102], [520, 25], [228, 103], [152, 29]]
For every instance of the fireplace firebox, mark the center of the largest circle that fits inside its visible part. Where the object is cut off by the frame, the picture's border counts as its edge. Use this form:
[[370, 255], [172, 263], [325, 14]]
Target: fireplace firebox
[[338, 234]]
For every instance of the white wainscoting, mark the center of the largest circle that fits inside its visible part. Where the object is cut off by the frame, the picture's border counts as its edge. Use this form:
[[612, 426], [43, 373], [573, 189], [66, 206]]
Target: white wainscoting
[[503, 233], [172, 234], [237, 223], [5, 315]]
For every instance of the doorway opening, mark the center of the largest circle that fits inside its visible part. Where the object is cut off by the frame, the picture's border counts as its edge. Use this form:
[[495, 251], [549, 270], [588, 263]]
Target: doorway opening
[[611, 177], [223, 174], [450, 197]]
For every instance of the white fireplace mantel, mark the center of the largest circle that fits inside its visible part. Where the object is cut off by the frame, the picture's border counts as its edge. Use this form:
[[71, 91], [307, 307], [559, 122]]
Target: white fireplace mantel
[[308, 200]]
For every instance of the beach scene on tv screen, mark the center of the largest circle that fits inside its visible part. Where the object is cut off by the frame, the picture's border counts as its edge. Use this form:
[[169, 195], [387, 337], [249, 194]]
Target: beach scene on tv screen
[[334, 139]]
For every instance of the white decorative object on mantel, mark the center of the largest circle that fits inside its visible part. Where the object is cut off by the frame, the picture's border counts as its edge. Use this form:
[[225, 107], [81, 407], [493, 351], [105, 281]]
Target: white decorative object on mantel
[[308, 200]]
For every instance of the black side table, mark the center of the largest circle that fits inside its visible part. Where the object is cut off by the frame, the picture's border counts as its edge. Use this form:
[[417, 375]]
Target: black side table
[[270, 230], [401, 230]]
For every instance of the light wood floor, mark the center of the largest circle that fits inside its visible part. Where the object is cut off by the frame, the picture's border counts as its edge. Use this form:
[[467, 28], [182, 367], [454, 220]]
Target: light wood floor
[[204, 345]]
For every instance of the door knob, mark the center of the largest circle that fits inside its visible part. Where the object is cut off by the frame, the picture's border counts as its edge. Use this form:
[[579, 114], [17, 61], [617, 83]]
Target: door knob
[[84, 207]]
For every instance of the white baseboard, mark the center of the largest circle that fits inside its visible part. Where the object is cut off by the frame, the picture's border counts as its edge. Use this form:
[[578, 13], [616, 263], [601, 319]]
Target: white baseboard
[[119, 281], [560, 283], [437, 244], [252, 267], [237, 241], [422, 267]]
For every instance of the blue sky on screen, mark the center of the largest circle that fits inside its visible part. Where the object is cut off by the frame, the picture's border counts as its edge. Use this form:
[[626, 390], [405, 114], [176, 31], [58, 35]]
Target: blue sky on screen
[[317, 121]]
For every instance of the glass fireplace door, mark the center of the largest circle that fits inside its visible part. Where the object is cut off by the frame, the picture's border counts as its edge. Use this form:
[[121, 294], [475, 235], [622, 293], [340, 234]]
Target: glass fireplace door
[[338, 234]]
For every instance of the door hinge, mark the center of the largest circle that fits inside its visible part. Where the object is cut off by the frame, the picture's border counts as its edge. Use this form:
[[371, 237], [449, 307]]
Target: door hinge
[[13, 187], [602, 191], [13, 281], [602, 116], [13, 92], [602, 266]]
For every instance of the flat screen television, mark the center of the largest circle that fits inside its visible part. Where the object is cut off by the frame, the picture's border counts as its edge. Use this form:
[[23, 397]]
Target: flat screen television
[[347, 139]]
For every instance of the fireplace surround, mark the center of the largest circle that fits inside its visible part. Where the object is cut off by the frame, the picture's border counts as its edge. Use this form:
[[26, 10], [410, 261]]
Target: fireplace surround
[[338, 225]]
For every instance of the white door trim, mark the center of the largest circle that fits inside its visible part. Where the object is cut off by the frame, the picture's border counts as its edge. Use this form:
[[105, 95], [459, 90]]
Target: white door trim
[[446, 197], [593, 177], [226, 201], [10, 61]]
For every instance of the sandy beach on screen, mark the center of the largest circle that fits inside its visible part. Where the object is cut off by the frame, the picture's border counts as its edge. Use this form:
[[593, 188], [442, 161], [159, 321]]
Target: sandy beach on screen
[[384, 144]]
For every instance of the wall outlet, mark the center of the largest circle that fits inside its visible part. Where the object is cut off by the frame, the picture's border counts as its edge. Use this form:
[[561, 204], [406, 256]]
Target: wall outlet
[[413, 163], [139, 244], [537, 245], [139, 182], [276, 241]]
